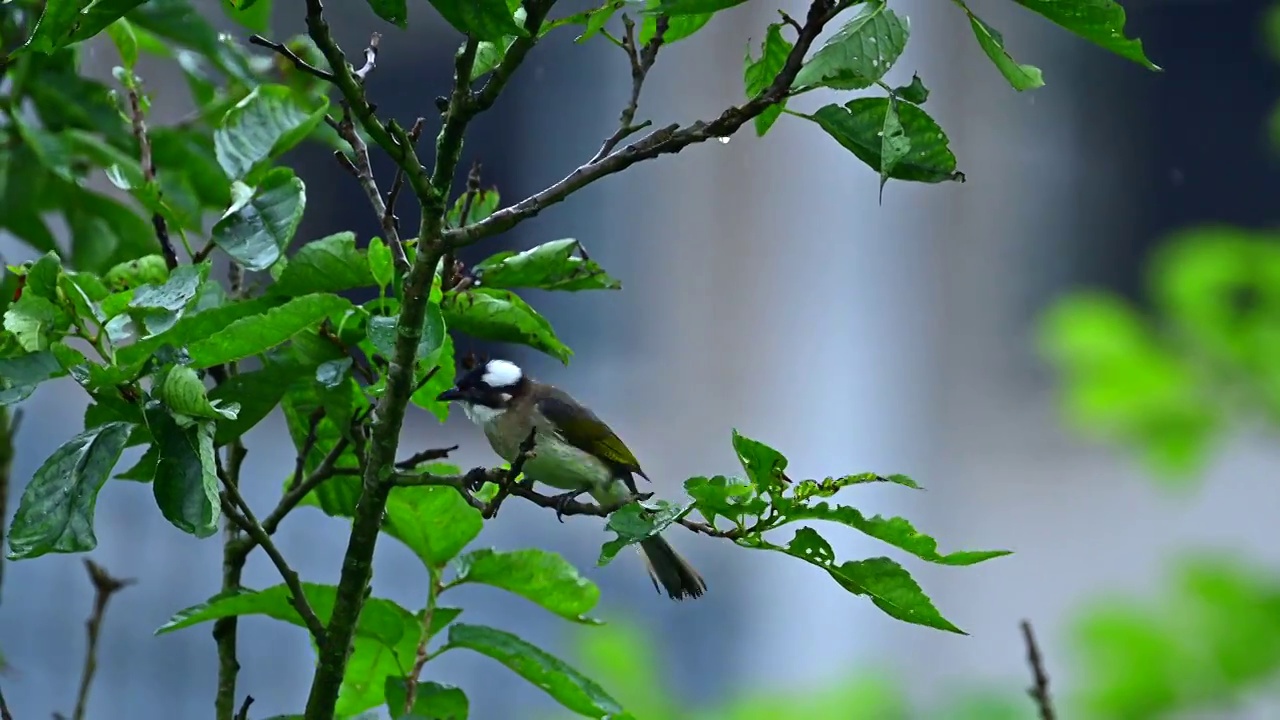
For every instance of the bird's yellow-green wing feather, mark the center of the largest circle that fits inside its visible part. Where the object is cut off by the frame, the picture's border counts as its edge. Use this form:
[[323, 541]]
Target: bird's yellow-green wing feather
[[581, 428]]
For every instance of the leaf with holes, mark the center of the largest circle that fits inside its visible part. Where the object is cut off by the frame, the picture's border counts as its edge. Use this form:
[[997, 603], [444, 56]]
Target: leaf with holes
[[857, 125], [635, 523], [56, 510], [757, 75]]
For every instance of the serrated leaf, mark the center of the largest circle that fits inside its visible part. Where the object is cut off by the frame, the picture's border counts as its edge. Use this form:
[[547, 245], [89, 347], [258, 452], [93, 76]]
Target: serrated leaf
[[758, 75], [186, 480], [538, 575], [765, 467], [20, 375], [255, 334], [55, 513], [436, 523], [555, 265], [501, 315], [431, 701], [556, 677], [268, 122], [635, 523], [890, 587], [330, 264], [857, 125], [1021, 77], [859, 54], [1098, 21], [257, 231], [485, 19]]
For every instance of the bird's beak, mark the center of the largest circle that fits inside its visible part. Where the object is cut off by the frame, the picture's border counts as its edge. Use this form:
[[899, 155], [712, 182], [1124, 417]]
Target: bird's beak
[[450, 395]]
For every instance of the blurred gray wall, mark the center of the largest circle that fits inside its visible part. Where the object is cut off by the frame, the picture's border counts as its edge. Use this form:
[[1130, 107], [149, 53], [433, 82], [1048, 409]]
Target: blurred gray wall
[[766, 289]]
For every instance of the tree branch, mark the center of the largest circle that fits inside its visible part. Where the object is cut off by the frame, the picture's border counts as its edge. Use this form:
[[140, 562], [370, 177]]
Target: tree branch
[[389, 218], [507, 479], [641, 62], [1039, 691], [238, 511], [292, 57], [244, 708], [8, 431], [147, 161], [225, 629], [4, 708], [667, 140], [104, 586]]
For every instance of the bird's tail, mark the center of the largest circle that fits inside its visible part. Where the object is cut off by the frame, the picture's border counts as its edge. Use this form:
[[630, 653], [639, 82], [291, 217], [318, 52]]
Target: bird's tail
[[669, 571]]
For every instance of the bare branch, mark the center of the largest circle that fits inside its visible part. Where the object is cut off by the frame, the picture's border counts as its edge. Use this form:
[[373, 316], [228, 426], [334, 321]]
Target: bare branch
[[292, 57], [147, 161], [426, 456], [449, 267], [663, 141], [1039, 691], [389, 219], [104, 586], [238, 511], [244, 709], [308, 444], [370, 57], [4, 708], [641, 62], [508, 478], [8, 431]]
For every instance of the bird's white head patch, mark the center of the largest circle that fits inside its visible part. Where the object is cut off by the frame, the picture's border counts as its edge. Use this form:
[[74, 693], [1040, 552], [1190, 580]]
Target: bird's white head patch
[[501, 374]]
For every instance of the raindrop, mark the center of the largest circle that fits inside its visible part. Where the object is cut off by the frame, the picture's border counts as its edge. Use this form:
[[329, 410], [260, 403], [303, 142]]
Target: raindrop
[[723, 139]]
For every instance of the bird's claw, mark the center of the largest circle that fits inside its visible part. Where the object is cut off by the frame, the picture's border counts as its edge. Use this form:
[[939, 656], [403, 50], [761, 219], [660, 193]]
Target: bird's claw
[[562, 503], [476, 478]]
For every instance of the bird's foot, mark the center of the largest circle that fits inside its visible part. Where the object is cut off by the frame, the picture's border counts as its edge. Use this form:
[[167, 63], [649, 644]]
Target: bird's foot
[[562, 502], [476, 478]]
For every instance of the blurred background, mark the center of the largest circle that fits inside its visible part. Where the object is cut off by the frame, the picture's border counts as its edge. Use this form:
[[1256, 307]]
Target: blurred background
[[766, 289]]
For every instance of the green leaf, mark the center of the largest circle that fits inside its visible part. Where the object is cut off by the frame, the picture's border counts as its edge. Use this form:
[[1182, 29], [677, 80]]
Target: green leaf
[[186, 480], [501, 315], [35, 322], [184, 393], [894, 143], [97, 16], [553, 675], [268, 122], [735, 499], [676, 8], [20, 375], [915, 93], [431, 701], [194, 327], [556, 265], [256, 232], [485, 19], [1098, 21], [382, 332], [543, 577], [890, 587], [895, 531], [679, 27], [434, 522], [330, 264], [56, 510], [161, 306], [483, 204], [1021, 77], [859, 54], [634, 523], [121, 33], [255, 334], [256, 393], [765, 467], [381, 266], [430, 388], [857, 126], [54, 25], [252, 14], [758, 75], [395, 12]]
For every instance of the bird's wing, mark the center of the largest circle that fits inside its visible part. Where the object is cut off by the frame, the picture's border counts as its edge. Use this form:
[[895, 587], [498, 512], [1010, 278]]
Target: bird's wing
[[582, 429]]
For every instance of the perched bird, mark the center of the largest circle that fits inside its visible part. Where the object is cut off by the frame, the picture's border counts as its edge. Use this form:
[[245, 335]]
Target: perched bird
[[573, 450]]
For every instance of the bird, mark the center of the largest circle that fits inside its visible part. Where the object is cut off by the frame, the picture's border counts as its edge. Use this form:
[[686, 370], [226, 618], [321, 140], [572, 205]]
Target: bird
[[573, 450]]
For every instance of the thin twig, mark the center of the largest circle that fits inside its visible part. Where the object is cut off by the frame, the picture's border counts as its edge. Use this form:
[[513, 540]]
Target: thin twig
[[308, 444], [508, 478], [361, 168], [642, 60], [663, 141], [295, 494], [449, 265], [8, 431], [389, 218], [1039, 691], [423, 652], [104, 586], [238, 511], [4, 707], [426, 456], [244, 709], [233, 560], [292, 57], [147, 161], [370, 57]]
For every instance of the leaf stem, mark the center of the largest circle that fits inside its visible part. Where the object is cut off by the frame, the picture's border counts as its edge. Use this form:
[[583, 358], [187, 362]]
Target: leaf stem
[[423, 654]]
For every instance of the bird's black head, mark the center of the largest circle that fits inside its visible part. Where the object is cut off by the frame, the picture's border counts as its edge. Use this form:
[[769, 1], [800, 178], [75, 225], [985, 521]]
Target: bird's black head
[[492, 384]]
